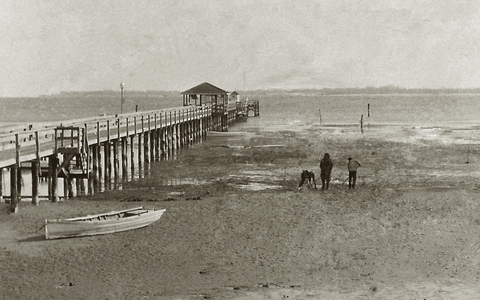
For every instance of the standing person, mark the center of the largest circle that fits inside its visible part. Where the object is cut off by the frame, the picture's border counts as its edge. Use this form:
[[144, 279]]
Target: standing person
[[326, 166], [307, 175], [352, 172]]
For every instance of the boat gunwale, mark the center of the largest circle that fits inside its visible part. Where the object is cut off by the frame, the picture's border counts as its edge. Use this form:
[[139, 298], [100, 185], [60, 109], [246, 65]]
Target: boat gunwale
[[88, 217]]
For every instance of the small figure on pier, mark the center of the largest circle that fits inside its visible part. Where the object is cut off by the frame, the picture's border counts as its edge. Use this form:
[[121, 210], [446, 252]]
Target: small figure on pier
[[326, 166], [310, 176]]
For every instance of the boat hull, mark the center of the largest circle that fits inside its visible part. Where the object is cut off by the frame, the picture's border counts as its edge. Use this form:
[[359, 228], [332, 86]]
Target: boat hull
[[95, 225]]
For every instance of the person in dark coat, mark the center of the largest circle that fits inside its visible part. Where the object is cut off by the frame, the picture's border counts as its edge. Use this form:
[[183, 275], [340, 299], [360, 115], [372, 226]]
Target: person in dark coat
[[307, 175], [326, 166]]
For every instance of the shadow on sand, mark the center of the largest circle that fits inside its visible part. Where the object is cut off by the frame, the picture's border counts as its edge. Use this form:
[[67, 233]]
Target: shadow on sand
[[37, 238]]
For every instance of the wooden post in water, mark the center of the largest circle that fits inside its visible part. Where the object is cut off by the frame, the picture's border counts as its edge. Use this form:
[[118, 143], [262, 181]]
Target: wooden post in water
[[369, 110], [361, 124]]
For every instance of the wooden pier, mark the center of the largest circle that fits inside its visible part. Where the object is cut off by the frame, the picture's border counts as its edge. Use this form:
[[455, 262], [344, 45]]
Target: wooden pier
[[100, 151]]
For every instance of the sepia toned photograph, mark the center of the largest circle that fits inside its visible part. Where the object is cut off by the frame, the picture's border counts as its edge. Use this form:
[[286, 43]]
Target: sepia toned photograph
[[239, 149]]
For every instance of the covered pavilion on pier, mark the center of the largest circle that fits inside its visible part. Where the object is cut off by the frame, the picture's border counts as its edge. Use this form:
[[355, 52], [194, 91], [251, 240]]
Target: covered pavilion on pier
[[206, 93]]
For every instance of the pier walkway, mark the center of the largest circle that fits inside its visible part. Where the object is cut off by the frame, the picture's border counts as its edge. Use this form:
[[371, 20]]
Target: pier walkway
[[90, 150]]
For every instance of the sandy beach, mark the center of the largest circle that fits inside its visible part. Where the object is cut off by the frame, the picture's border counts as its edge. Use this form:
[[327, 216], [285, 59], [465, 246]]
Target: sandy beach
[[236, 227]]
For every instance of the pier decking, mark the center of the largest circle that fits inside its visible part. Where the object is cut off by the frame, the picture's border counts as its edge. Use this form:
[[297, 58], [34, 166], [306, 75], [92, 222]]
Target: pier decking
[[96, 149]]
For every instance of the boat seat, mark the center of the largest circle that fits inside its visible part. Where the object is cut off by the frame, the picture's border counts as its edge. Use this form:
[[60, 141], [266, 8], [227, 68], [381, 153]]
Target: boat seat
[[136, 212]]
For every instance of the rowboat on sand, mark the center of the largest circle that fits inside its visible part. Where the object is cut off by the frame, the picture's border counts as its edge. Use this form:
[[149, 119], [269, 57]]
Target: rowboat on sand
[[104, 223]]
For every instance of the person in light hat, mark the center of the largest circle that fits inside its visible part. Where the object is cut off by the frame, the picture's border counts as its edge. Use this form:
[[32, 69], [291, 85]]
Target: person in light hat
[[352, 172]]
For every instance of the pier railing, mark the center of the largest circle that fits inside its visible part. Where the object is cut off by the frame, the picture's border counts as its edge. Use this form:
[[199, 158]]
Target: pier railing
[[39, 140]]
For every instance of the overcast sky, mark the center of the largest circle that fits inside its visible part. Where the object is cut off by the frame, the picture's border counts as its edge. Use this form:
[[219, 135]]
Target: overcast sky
[[49, 46]]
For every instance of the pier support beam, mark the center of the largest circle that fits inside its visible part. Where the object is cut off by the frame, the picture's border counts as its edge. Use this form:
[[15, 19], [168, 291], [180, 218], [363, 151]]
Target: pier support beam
[[13, 190], [53, 162], [146, 148], [132, 156], [124, 158], [139, 154], [100, 168], [162, 143], [35, 181], [93, 173], [116, 162], [1, 185]]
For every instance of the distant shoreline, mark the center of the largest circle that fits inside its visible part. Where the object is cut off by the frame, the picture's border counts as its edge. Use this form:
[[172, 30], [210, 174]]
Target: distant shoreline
[[261, 92]]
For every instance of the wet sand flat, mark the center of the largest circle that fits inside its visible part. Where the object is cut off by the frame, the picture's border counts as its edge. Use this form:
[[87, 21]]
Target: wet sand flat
[[236, 227]]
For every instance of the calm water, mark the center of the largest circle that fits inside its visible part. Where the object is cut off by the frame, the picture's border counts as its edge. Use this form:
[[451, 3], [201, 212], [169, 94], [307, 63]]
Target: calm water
[[388, 109], [25, 110], [424, 110]]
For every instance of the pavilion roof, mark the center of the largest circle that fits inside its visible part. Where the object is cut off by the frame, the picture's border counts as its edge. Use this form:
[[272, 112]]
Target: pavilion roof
[[204, 89]]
